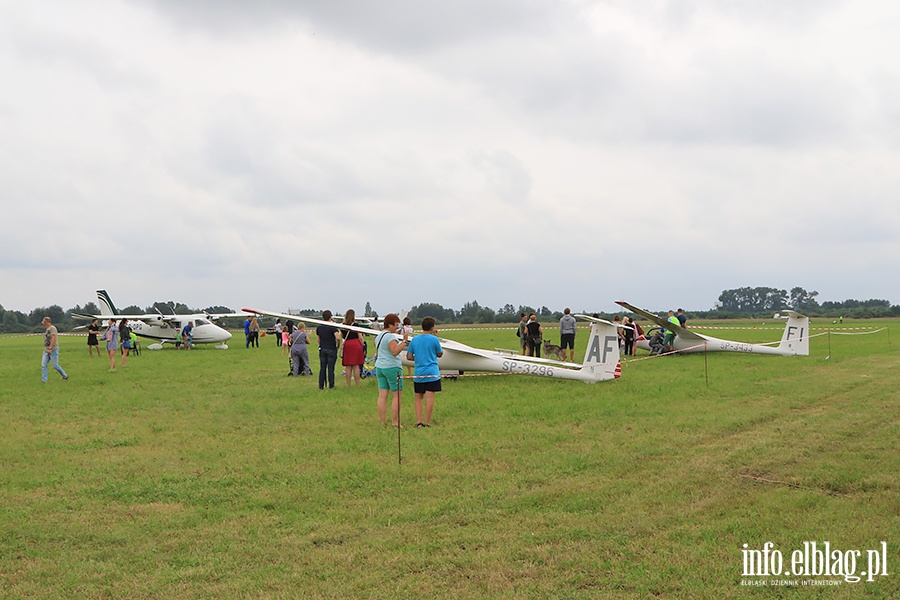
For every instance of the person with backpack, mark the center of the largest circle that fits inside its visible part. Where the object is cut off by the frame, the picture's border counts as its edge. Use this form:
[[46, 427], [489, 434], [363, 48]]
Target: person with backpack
[[125, 339], [534, 335]]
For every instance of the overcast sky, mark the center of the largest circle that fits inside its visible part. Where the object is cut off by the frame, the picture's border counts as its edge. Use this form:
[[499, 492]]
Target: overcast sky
[[279, 154]]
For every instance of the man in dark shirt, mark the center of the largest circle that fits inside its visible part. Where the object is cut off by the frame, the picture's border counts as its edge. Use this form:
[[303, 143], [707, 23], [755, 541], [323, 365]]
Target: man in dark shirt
[[329, 340]]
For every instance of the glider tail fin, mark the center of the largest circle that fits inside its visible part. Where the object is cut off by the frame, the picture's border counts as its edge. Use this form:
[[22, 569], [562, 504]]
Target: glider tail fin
[[107, 308], [795, 339], [602, 355]]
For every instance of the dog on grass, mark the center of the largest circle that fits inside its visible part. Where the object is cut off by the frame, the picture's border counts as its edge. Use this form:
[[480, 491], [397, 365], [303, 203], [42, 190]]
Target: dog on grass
[[552, 350]]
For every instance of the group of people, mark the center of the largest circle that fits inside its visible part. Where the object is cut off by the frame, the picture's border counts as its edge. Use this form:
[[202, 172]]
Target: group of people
[[531, 335], [663, 340], [394, 338], [118, 338], [331, 341], [424, 350], [251, 332]]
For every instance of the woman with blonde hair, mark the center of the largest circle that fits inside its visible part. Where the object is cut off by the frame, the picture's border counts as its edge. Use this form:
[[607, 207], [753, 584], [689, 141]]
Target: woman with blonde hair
[[254, 332]]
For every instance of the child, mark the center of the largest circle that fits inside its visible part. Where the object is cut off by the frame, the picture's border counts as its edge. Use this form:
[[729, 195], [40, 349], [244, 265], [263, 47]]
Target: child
[[285, 340], [407, 331], [425, 350]]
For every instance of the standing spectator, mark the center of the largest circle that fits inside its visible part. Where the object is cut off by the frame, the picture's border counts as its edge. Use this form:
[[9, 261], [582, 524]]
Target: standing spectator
[[278, 330], [682, 318], [329, 337], [669, 340], [567, 328], [247, 332], [112, 343], [425, 350], [629, 332], [125, 339], [92, 342], [388, 346], [51, 350], [299, 352], [523, 342], [534, 334], [352, 354], [254, 332]]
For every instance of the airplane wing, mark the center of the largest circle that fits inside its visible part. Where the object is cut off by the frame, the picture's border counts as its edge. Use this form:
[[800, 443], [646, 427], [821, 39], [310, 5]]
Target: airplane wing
[[83, 317], [604, 321], [214, 316], [454, 346], [312, 321], [679, 330]]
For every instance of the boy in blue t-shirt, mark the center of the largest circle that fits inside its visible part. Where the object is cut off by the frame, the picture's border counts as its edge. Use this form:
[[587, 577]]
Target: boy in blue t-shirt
[[425, 350]]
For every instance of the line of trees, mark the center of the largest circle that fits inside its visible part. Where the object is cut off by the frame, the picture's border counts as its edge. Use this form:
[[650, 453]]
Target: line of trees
[[762, 301], [734, 303], [14, 321], [473, 312]]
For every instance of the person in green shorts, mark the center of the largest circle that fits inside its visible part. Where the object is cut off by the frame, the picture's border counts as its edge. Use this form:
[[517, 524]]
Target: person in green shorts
[[388, 346]]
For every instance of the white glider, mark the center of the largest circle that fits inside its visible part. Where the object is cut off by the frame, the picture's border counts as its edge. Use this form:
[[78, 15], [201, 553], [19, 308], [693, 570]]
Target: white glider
[[794, 340], [601, 359]]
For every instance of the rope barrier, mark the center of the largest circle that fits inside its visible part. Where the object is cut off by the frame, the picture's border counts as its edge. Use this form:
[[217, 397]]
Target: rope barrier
[[859, 333], [630, 360]]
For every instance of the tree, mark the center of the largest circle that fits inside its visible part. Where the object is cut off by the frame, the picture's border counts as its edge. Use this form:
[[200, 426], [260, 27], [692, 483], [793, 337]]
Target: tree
[[12, 322], [469, 311], [368, 312], [803, 300], [54, 311], [753, 300], [432, 309]]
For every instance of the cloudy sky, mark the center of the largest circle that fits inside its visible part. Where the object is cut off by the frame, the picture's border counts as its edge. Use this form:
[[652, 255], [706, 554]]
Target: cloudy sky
[[323, 154]]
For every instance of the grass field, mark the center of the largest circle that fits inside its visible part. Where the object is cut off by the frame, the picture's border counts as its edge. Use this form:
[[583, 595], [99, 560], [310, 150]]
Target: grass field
[[211, 474]]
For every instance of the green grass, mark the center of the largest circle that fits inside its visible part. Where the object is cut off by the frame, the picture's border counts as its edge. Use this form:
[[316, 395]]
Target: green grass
[[211, 474]]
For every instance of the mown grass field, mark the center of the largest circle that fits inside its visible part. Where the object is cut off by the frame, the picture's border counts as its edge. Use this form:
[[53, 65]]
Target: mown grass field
[[211, 474]]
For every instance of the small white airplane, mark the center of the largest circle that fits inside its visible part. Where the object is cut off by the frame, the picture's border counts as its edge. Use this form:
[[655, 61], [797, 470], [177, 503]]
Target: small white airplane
[[162, 327], [601, 359], [794, 340]]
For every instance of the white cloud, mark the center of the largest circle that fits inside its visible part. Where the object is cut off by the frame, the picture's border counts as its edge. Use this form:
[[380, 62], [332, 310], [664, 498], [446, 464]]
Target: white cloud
[[287, 154]]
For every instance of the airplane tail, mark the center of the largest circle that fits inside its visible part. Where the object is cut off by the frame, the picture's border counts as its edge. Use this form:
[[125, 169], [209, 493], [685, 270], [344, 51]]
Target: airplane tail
[[795, 339], [107, 308], [602, 355]]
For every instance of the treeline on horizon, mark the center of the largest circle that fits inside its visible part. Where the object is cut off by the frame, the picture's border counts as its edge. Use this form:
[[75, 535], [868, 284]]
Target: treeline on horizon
[[738, 303]]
